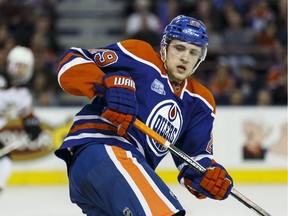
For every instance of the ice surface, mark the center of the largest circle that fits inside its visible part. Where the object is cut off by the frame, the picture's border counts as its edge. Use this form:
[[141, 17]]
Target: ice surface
[[54, 201]]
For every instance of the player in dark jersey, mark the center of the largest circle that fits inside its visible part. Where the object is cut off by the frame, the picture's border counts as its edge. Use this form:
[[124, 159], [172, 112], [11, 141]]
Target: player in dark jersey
[[111, 164]]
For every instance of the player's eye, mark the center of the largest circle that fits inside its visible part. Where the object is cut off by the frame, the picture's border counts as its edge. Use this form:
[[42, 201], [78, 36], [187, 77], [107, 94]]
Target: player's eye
[[195, 53], [179, 47]]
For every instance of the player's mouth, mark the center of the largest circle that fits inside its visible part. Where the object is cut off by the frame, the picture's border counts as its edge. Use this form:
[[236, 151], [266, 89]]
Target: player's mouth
[[181, 69]]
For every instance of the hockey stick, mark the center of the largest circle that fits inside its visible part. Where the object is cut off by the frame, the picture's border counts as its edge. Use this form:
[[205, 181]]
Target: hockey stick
[[182, 155], [11, 147]]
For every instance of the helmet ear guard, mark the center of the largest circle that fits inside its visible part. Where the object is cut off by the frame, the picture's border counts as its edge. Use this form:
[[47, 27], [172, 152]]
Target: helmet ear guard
[[163, 45], [186, 29]]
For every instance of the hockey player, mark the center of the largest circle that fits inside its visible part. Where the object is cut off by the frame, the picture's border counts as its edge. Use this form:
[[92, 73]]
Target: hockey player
[[111, 164], [16, 103]]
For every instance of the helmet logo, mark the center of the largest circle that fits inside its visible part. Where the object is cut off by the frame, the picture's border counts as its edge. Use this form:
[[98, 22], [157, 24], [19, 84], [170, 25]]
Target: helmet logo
[[190, 32], [195, 23]]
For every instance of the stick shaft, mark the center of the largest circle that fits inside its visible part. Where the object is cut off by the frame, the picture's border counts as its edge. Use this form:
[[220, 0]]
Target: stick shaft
[[182, 155], [9, 148]]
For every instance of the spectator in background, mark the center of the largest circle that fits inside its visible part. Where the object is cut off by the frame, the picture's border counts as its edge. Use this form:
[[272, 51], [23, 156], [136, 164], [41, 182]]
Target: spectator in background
[[272, 48], [235, 33], [277, 83], [7, 41], [142, 10], [281, 21], [4, 34], [241, 6], [222, 82], [238, 41], [49, 8], [248, 82], [204, 10], [264, 97], [269, 22], [144, 24], [167, 10], [21, 25], [4, 49], [267, 36], [236, 98], [259, 15], [44, 82]]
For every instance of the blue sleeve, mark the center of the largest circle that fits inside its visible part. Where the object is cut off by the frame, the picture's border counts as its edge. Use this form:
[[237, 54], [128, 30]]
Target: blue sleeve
[[197, 139]]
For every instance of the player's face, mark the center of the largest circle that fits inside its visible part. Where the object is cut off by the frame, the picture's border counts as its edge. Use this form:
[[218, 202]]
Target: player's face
[[181, 59], [17, 71]]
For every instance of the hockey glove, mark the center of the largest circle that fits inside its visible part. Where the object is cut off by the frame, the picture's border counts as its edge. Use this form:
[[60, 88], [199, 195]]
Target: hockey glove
[[121, 100], [214, 183], [31, 126]]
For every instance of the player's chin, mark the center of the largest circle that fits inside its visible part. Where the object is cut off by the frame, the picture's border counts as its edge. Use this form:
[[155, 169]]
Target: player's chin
[[179, 77]]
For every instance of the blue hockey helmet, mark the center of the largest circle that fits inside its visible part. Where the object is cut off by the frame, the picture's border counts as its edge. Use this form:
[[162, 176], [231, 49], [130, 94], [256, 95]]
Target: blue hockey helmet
[[186, 29]]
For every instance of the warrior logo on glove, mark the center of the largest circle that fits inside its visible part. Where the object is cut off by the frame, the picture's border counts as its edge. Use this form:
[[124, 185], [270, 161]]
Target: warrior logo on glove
[[122, 82], [121, 100]]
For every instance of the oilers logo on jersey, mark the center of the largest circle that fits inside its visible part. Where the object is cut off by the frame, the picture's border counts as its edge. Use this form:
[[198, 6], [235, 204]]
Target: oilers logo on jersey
[[166, 119]]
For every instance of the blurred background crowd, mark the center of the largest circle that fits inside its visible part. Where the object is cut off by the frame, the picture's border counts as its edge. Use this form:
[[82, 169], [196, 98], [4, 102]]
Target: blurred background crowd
[[246, 62]]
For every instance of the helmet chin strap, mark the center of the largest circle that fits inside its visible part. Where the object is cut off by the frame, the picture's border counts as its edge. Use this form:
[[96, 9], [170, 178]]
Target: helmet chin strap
[[201, 59], [196, 66]]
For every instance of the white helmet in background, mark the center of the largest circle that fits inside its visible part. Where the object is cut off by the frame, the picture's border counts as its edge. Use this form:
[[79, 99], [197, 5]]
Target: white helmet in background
[[20, 65]]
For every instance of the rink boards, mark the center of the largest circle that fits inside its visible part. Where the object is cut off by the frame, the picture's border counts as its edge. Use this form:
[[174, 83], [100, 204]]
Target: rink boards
[[38, 165]]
